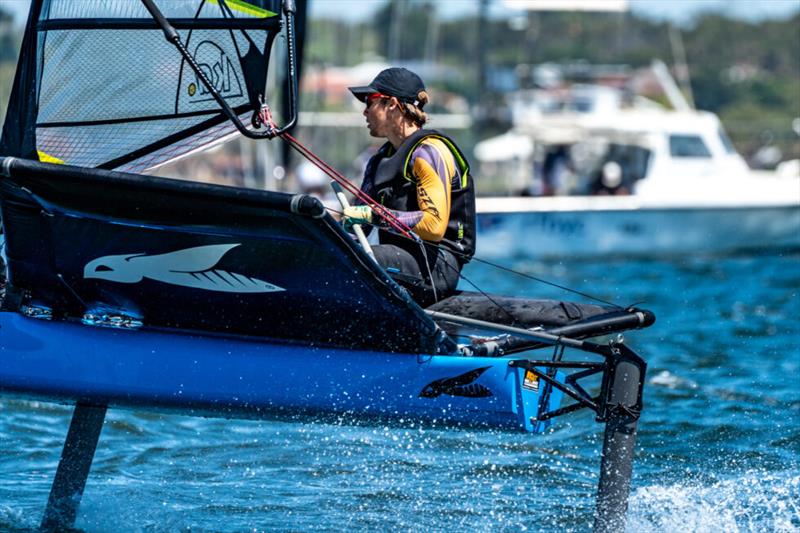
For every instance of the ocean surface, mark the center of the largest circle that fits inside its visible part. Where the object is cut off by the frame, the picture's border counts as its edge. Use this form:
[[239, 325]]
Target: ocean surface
[[718, 446]]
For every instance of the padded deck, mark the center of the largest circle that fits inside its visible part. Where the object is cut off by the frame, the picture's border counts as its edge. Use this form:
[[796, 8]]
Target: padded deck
[[577, 320]]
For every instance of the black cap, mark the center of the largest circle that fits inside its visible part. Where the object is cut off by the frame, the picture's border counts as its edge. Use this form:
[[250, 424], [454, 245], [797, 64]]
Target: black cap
[[398, 82]]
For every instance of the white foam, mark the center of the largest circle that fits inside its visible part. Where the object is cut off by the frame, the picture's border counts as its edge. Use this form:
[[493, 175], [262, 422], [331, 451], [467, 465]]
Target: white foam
[[755, 501], [665, 378]]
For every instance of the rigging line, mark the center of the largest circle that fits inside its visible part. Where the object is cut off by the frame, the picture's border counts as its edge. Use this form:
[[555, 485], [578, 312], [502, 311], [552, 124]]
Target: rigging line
[[330, 171], [404, 230], [227, 12], [183, 59], [460, 275], [528, 276], [546, 282], [319, 163], [522, 274], [428, 268], [514, 321], [540, 280], [382, 211]]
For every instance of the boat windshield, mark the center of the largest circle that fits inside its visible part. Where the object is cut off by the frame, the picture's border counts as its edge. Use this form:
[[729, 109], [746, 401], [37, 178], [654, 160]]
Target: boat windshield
[[687, 146]]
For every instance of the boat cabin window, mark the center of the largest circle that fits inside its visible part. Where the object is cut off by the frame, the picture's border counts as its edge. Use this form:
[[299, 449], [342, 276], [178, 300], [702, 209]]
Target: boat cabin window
[[633, 159], [687, 146], [581, 105], [630, 164]]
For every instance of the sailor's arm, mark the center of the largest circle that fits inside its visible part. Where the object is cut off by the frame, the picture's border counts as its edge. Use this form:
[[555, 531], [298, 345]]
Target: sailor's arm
[[431, 170]]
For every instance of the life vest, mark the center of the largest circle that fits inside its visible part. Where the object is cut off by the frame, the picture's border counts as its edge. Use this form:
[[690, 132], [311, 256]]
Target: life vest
[[389, 180]]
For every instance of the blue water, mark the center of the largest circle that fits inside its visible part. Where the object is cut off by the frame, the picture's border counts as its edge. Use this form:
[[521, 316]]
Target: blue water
[[718, 447]]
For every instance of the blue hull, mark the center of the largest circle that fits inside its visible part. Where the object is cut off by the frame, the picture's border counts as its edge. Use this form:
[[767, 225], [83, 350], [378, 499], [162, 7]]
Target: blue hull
[[240, 377]]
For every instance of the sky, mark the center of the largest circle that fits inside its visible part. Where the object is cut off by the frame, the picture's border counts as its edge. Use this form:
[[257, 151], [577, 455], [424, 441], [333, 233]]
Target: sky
[[684, 11], [680, 12]]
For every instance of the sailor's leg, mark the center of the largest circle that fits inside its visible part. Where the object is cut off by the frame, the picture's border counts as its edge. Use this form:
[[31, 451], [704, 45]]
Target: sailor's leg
[[73, 468], [402, 266], [412, 272]]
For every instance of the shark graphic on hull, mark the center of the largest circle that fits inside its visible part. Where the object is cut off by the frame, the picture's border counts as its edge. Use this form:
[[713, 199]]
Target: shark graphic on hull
[[461, 385], [191, 267]]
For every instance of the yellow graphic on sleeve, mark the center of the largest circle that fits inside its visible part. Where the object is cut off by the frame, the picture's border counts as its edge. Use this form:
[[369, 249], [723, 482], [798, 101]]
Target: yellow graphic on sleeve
[[248, 9], [47, 158]]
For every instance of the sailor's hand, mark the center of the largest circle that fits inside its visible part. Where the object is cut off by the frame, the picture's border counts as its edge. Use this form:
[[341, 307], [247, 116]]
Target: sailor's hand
[[356, 214]]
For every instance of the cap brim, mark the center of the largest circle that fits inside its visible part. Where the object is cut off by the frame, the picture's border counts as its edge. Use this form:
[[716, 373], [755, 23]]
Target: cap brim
[[362, 92]]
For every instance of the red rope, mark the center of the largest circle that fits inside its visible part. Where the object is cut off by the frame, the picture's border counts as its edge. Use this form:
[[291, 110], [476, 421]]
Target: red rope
[[266, 119], [349, 186]]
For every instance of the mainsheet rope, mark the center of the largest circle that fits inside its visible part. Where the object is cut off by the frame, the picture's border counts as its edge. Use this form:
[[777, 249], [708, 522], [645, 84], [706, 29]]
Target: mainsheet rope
[[506, 269], [266, 118]]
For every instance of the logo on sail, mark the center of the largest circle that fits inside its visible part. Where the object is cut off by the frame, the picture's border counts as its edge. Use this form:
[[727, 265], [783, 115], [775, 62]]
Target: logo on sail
[[220, 71], [191, 267]]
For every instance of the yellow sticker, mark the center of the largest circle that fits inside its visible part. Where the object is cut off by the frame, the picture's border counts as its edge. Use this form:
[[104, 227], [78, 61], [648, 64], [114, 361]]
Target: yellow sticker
[[47, 158], [531, 381], [246, 8], [192, 89]]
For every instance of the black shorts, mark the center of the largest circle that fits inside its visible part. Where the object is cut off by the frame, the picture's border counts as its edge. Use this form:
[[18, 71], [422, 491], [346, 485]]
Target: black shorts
[[429, 277]]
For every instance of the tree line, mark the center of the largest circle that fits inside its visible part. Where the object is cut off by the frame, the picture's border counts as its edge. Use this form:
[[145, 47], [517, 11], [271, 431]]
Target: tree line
[[746, 72]]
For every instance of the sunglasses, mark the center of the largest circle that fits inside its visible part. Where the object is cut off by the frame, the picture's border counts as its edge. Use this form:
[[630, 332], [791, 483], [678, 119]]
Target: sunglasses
[[374, 97]]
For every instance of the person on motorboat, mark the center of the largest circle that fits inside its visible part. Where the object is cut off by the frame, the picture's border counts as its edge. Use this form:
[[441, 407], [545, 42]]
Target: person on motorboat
[[423, 179]]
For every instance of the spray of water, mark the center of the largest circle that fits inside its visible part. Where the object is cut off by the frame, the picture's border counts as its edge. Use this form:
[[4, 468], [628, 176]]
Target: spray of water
[[753, 501]]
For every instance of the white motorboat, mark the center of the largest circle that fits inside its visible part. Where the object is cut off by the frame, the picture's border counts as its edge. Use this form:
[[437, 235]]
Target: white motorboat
[[653, 181], [585, 226]]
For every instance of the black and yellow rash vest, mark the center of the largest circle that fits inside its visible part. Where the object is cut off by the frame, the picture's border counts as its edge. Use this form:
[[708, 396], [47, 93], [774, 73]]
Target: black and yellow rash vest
[[427, 185]]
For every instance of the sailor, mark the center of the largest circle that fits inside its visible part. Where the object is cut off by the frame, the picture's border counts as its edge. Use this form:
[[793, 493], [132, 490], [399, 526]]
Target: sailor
[[423, 179]]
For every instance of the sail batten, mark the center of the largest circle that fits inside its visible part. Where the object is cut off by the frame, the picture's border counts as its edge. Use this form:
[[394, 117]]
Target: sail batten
[[125, 120], [111, 92], [141, 24]]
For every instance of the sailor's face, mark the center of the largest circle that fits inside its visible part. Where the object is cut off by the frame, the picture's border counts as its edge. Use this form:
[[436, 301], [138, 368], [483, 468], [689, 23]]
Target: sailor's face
[[376, 113]]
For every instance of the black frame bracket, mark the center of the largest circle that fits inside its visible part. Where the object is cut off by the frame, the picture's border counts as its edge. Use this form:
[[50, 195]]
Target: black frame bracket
[[603, 405]]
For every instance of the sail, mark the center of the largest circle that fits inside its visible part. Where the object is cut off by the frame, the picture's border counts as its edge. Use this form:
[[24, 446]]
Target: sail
[[98, 85]]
